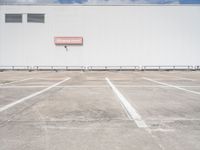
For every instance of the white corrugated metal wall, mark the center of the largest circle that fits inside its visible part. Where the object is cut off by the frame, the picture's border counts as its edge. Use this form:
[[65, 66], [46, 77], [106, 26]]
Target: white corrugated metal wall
[[113, 35]]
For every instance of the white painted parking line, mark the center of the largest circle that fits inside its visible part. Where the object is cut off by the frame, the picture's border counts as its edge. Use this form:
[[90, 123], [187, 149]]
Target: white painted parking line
[[16, 81], [69, 86], [186, 79], [193, 86], [173, 86], [49, 79], [156, 86], [177, 77], [21, 86], [133, 114], [31, 96], [97, 86]]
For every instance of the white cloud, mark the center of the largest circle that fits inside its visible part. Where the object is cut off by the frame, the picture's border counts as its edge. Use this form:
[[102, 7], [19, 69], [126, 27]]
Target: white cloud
[[108, 1], [130, 1], [28, 1], [92, 2]]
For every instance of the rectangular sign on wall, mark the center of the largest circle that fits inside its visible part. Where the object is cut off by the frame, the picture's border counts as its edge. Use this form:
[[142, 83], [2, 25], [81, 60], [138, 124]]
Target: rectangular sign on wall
[[68, 40]]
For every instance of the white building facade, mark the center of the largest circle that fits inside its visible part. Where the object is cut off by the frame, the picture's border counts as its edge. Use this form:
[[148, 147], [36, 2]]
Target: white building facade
[[112, 35]]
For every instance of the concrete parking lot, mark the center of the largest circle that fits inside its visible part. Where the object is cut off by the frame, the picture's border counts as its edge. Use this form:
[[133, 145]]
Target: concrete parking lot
[[105, 110]]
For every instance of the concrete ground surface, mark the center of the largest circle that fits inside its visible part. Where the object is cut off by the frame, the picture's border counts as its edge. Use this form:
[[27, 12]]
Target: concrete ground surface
[[100, 110]]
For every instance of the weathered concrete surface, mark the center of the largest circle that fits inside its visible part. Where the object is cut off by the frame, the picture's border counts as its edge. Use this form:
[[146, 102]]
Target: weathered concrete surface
[[84, 112]]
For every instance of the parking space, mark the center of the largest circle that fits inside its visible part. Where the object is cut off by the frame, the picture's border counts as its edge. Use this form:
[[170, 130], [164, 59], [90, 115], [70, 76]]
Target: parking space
[[100, 110], [82, 104], [163, 103]]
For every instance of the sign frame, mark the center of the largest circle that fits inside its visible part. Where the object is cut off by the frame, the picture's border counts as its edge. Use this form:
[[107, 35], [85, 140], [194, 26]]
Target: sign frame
[[68, 40]]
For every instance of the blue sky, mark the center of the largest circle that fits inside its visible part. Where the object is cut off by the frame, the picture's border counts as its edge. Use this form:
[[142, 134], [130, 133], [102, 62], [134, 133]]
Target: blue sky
[[190, 1], [114, 2]]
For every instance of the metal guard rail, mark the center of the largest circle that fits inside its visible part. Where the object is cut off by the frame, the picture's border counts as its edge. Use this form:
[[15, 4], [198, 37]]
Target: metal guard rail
[[118, 68], [167, 68], [99, 68]]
